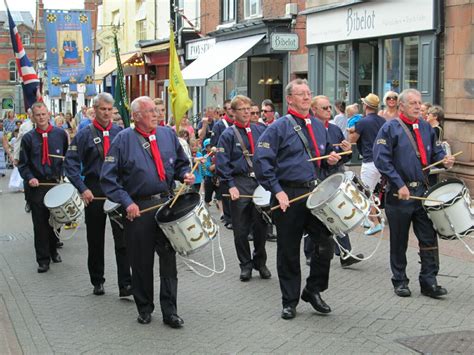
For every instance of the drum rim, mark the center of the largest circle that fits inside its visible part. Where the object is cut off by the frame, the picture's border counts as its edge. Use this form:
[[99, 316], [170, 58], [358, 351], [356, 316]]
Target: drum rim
[[74, 190], [331, 196], [266, 191], [440, 184], [183, 217], [115, 204]]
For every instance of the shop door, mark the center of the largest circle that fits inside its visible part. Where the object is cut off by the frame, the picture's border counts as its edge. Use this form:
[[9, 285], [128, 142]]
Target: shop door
[[366, 69]]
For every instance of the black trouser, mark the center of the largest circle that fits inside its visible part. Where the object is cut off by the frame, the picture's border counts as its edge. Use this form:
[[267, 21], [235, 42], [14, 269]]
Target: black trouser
[[45, 239], [143, 237], [400, 215], [344, 241], [291, 225], [245, 217], [226, 203], [95, 226]]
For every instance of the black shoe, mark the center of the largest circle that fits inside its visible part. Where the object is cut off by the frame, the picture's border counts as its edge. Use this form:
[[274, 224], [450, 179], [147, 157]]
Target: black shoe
[[144, 318], [27, 208], [126, 291], [316, 301], [288, 312], [245, 274], [250, 237], [434, 291], [43, 268], [56, 258], [264, 272], [271, 237], [174, 321], [308, 261], [59, 245], [228, 226], [98, 290], [402, 290], [351, 260]]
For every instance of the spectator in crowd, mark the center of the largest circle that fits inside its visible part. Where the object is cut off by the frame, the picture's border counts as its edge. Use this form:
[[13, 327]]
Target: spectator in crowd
[[390, 101], [80, 115], [184, 124], [435, 118], [211, 183], [353, 115], [268, 112], [211, 116], [184, 140], [161, 110], [425, 106], [340, 119], [87, 120], [254, 113]]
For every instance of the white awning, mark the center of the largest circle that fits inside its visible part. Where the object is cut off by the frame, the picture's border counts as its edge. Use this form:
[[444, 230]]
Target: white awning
[[217, 58]]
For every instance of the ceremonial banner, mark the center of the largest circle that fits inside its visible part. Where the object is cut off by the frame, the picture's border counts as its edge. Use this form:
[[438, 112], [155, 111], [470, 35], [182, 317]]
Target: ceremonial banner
[[120, 94], [69, 49], [180, 101], [28, 78]]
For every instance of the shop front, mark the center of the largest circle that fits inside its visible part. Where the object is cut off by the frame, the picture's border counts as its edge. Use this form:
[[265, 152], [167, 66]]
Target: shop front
[[375, 47]]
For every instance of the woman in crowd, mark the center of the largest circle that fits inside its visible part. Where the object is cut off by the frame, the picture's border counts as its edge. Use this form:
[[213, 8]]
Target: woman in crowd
[[390, 101], [425, 106], [435, 117]]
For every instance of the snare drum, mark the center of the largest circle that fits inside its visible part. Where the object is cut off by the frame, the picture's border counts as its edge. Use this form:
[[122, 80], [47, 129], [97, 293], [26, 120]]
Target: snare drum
[[64, 203], [111, 209], [187, 225], [261, 199], [339, 204], [359, 183], [455, 215]]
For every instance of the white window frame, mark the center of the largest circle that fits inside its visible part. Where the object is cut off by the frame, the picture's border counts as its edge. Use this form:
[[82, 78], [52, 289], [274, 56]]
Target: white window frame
[[11, 70], [228, 2], [247, 9], [26, 39], [141, 27]]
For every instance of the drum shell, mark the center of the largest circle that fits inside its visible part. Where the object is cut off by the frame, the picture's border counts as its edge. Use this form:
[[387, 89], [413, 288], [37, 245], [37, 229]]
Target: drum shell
[[70, 205], [262, 201], [191, 232], [112, 210], [452, 217], [344, 209]]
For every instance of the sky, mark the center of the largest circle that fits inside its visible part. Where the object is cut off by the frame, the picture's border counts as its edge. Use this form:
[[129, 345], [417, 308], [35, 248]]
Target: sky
[[30, 5]]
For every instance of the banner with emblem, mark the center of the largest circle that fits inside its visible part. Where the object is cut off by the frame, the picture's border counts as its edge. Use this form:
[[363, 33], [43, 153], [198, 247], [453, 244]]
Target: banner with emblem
[[69, 50]]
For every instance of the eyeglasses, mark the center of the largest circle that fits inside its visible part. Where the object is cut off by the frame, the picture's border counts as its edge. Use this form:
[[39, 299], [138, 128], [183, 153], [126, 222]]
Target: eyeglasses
[[151, 111], [266, 111], [392, 98], [324, 108], [254, 112], [303, 94], [243, 109]]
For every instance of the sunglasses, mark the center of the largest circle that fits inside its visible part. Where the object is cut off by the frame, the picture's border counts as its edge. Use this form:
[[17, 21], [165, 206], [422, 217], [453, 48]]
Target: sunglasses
[[326, 107], [254, 112], [392, 98]]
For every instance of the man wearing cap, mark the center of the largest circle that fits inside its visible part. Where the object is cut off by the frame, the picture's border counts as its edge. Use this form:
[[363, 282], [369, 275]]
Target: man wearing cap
[[364, 133]]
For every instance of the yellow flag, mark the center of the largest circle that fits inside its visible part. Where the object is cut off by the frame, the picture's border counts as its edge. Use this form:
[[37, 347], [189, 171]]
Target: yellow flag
[[180, 101]]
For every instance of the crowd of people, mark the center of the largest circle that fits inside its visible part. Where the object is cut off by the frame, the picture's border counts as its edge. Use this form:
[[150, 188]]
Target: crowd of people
[[238, 149]]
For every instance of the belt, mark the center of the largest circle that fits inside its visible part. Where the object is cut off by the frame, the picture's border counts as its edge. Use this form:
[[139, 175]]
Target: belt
[[251, 175], [307, 184], [152, 197], [414, 184], [48, 180]]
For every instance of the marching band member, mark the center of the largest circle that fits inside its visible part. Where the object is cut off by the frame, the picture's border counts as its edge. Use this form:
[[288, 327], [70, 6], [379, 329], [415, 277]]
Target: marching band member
[[234, 164], [37, 167], [282, 167], [138, 173], [395, 156], [89, 149]]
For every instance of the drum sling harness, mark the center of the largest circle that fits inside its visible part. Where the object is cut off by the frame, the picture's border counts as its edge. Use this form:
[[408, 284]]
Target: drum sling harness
[[300, 134], [244, 149], [97, 141]]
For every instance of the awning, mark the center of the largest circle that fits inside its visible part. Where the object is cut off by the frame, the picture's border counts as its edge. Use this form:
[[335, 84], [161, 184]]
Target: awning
[[156, 48], [217, 58], [110, 65]]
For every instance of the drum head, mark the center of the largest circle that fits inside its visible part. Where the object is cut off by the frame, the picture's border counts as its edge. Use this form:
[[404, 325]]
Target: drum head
[[58, 195], [109, 206], [444, 191], [185, 204], [261, 197], [325, 190]]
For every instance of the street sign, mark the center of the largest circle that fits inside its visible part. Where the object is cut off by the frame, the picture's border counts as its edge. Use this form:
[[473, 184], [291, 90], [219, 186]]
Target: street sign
[[284, 41]]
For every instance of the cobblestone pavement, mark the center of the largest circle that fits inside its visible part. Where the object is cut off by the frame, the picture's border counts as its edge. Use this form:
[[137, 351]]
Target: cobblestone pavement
[[56, 312]]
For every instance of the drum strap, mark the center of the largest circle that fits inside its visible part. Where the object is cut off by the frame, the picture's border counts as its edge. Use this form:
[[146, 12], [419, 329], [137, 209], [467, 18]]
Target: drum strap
[[97, 140], [244, 148], [300, 134], [145, 144]]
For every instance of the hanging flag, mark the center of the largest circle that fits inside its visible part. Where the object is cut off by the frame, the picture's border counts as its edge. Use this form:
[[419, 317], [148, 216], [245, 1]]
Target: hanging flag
[[180, 101], [29, 80], [120, 94]]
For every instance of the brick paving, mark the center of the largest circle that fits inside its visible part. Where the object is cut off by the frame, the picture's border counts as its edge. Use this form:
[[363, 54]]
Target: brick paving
[[56, 312]]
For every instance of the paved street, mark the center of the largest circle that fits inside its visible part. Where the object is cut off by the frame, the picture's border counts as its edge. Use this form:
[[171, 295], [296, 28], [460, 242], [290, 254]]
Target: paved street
[[56, 312]]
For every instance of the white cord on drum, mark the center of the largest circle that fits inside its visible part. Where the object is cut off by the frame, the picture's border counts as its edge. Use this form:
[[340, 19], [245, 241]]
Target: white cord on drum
[[57, 227], [213, 270]]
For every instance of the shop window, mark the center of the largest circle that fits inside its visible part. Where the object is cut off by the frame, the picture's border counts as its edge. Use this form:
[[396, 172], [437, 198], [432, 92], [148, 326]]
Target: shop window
[[410, 62], [252, 8], [141, 30], [342, 72], [236, 79], [116, 18], [26, 39], [227, 11], [12, 70], [329, 71], [391, 72]]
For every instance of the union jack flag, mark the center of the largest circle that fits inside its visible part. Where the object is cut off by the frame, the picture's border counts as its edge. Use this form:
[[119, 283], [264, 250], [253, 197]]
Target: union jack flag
[[28, 78]]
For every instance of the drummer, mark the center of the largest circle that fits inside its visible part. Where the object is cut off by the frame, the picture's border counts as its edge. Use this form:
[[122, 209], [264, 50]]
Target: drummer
[[37, 167], [85, 157], [234, 165], [321, 109], [396, 158], [138, 173], [282, 167]]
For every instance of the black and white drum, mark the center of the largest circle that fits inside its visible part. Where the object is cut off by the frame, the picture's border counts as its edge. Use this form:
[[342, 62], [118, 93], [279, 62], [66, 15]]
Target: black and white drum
[[261, 199], [187, 225], [453, 216], [112, 210], [358, 182], [64, 203]]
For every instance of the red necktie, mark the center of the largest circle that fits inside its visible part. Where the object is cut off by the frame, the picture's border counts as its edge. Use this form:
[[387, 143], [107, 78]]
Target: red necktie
[[105, 134], [161, 123], [309, 127], [419, 141], [326, 124], [228, 119], [45, 158], [155, 152], [249, 134]]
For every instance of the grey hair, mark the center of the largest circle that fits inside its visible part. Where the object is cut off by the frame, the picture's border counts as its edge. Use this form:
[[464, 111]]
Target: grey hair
[[38, 104], [289, 87], [402, 97], [103, 96], [136, 104]]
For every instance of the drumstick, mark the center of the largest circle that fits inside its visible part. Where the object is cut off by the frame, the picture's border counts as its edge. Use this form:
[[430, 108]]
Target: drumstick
[[243, 196], [184, 185], [102, 198], [48, 184], [56, 156], [422, 198], [438, 162], [293, 200], [327, 156], [152, 208], [339, 144]]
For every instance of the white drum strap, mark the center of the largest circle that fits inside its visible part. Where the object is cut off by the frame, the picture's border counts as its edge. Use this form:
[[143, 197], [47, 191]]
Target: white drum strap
[[57, 227], [189, 261]]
